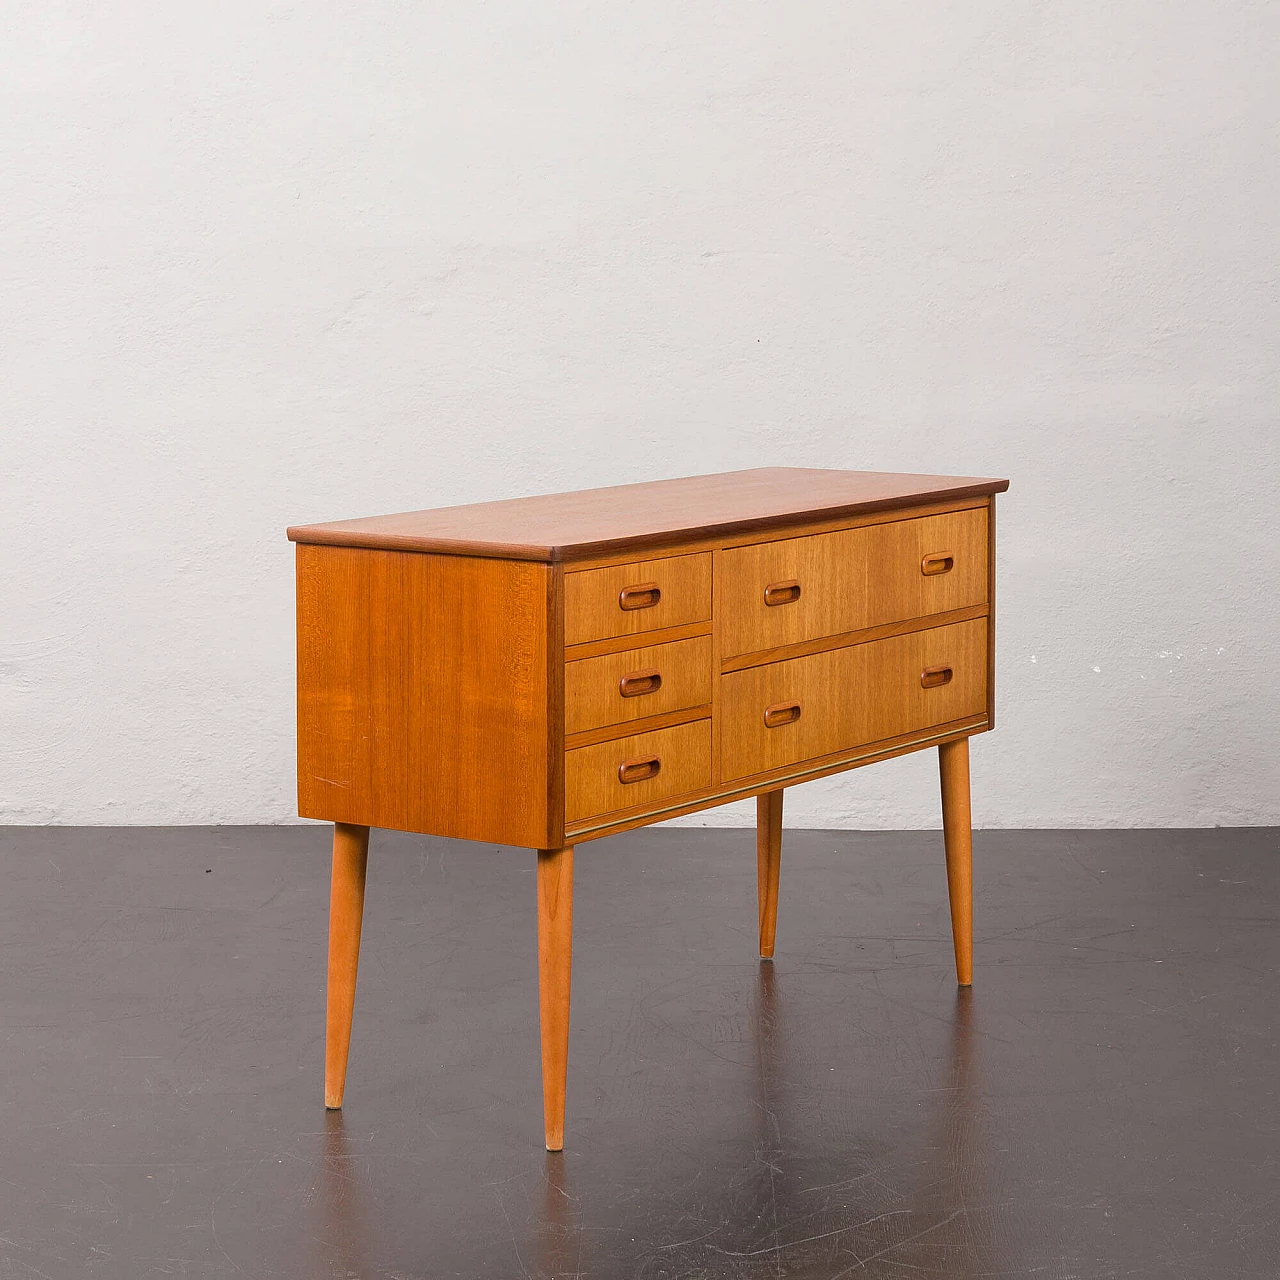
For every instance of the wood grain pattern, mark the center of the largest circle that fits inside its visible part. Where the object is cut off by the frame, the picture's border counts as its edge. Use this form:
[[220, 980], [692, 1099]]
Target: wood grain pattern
[[879, 696], [593, 608], [555, 964], [991, 609], [424, 694], [617, 644], [824, 643], [850, 580], [589, 737], [593, 687], [743, 788], [592, 785], [569, 526], [957, 827], [346, 914], [799, 526], [768, 864], [554, 655], [715, 667]]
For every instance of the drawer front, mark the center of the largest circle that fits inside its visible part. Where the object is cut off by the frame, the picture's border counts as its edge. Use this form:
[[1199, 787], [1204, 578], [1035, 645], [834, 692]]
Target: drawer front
[[778, 593], [627, 599], [619, 687], [659, 764], [849, 697]]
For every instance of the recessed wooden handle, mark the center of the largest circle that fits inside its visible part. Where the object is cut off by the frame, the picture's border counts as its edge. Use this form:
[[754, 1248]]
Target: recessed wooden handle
[[637, 683], [643, 596], [938, 562], [781, 713], [782, 593], [639, 769], [932, 677]]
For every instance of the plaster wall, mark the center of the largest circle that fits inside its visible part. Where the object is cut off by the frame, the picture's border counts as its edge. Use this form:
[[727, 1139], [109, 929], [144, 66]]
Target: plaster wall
[[264, 264]]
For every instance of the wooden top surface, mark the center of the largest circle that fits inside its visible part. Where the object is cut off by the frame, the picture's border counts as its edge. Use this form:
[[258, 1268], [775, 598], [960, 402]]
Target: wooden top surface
[[644, 517]]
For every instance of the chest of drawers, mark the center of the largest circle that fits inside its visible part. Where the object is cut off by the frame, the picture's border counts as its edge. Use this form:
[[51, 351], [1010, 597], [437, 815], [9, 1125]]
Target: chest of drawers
[[546, 671]]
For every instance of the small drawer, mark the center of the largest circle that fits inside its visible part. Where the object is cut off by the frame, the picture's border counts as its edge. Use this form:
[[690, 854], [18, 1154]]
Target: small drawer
[[642, 769], [779, 593], [786, 712], [619, 687], [630, 598]]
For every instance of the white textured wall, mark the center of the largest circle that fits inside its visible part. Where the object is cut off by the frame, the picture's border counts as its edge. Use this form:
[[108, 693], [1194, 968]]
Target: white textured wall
[[274, 263]]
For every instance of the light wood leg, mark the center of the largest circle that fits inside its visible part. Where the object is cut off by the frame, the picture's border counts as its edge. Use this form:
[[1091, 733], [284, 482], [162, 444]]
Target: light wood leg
[[957, 834], [346, 913], [768, 863], [555, 949]]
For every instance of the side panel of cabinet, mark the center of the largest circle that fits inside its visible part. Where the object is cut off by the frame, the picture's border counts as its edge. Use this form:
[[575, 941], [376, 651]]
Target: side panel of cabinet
[[428, 695]]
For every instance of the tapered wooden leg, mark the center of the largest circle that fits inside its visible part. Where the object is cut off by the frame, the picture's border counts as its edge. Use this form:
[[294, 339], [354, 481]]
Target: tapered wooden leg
[[957, 834], [346, 912], [768, 863], [555, 947]]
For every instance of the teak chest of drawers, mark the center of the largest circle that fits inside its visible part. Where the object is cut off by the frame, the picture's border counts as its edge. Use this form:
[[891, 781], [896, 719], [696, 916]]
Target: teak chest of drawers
[[545, 671]]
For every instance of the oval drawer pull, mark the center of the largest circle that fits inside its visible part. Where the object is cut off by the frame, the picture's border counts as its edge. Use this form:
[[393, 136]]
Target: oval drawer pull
[[781, 713], [938, 562], [782, 593], [644, 596], [638, 683], [639, 769], [932, 677]]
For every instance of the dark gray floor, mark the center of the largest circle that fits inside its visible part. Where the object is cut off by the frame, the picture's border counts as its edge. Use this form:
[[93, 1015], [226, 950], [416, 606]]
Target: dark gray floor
[[1103, 1104]]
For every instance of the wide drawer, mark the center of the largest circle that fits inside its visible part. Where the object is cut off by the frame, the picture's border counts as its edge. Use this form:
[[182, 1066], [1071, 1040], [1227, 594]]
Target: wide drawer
[[779, 593], [630, 598], [637, 770], [786, 712], [648, 681]]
